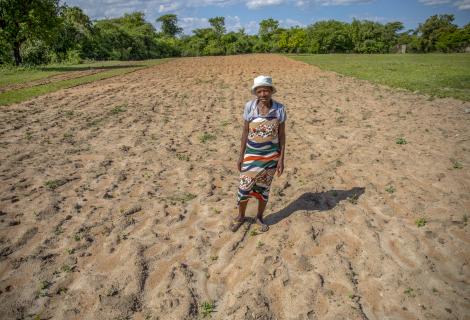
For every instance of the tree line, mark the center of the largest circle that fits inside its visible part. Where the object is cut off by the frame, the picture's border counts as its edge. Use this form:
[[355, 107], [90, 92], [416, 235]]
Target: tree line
[[44, 31]]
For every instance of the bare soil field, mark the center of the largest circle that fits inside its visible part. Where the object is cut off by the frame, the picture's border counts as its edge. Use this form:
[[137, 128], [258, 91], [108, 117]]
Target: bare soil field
[[115, 200]]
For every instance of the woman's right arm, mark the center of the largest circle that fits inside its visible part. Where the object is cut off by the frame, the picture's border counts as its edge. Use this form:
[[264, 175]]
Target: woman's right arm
[[246, 127]]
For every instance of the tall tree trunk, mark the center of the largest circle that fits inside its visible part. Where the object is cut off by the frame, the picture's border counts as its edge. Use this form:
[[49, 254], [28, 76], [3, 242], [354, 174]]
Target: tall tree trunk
[[16, 53]]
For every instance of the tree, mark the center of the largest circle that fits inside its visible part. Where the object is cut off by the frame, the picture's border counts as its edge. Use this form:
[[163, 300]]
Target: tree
[[433, 28], [218, 24], [23, 20], [75, 28], [267, 28], [170, 26]]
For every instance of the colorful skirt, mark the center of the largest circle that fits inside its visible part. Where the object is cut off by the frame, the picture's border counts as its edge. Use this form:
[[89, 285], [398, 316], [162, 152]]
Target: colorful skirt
[[257, 170]]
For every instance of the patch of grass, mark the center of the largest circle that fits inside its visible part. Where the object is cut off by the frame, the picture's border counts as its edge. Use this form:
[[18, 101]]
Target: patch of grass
[[66, 268], [225, 123], [390, 189], [400, 140], [70, 251], [456, 164], [409, 292], [184, 197], [206, 308], [253, 232], [420, 222], [353, 199], [182, 157], [118, 109], [206, 137], [22, 75], [54, 184], [436, 74]]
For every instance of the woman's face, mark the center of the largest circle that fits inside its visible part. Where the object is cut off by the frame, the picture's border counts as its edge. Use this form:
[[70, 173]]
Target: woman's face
[[264, 93]]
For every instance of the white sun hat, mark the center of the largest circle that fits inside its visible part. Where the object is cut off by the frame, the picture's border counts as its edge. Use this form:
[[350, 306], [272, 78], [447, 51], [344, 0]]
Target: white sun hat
[[262, 81]]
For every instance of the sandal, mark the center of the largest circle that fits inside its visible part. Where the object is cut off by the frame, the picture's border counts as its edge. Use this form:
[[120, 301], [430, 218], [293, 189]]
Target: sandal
[[236, 224], [263, 227]]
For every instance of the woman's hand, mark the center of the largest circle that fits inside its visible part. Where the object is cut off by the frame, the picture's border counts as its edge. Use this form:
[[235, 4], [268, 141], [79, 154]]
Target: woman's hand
[[239, 163], [280, 167]]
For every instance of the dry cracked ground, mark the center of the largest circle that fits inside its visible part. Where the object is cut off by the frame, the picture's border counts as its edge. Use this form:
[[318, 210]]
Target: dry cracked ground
[[115, 200]]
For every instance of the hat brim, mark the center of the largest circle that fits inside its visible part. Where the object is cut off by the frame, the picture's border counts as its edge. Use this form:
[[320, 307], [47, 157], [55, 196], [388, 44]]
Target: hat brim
[[253, 89]]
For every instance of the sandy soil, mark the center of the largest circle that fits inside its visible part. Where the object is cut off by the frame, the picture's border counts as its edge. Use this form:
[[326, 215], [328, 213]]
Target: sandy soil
[[113, 206]]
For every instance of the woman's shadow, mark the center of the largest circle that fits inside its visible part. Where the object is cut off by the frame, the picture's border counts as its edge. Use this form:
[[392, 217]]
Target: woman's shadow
[[311, 201]]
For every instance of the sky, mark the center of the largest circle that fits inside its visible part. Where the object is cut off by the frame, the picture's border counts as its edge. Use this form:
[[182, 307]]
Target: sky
[[247, 14]]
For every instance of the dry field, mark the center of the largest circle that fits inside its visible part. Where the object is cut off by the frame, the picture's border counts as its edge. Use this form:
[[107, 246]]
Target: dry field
[[115, 199]]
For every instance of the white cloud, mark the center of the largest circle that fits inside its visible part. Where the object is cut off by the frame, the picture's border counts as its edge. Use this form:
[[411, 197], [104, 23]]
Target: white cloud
[[368, 17], [256, 4], [434, 2], [168, 7], [463, 4], [305, 3], [287, 23], [190, 23]]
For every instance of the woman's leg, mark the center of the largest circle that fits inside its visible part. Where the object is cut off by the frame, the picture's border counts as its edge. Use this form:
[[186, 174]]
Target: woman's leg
[[261, 207], [241, 210]]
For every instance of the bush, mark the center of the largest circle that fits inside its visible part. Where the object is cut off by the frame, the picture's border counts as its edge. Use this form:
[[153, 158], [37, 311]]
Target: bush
[[35, 52]]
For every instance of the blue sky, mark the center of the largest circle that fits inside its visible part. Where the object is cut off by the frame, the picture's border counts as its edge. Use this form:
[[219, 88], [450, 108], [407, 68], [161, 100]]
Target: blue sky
[[247, 13]]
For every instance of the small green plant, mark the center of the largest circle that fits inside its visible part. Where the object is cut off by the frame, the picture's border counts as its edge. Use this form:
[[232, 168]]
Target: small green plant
[[353, 199], [225, 123], [259, 244], [465, 219], [456, 164], [184, 197], [69, 114], [54, 184], [118, 109], [206, 308], [58, 231], [44, 285], [66, 268], [253, 232], [182, 157], [70, 251], [409, 292], [28, 136], [421, 222], [401, 140], [206, 137], [390, 189], [214, 258], [338, 110], [77, 237]]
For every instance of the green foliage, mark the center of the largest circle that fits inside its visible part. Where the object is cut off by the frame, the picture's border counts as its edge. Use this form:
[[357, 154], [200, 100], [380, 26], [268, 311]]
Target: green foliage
[[42, 31], [169, 25], [31, 20]]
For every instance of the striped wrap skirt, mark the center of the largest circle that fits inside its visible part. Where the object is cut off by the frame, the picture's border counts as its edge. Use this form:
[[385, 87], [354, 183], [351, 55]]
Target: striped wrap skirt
[[260, 159]]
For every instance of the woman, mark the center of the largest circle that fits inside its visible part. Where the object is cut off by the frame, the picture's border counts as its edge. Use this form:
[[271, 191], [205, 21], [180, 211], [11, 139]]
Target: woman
[[262, 149]]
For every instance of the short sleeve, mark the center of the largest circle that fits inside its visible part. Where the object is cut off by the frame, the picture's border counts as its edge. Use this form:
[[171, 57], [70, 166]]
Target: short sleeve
[[246, 111], [282, 115]]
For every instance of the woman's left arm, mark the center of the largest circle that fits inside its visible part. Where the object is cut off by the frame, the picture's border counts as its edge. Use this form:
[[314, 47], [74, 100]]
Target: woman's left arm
[[282, 145]]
